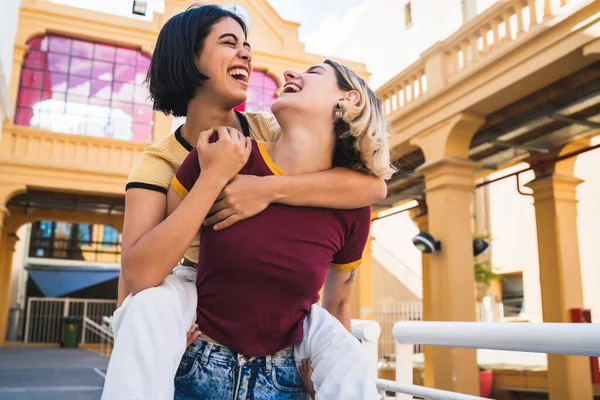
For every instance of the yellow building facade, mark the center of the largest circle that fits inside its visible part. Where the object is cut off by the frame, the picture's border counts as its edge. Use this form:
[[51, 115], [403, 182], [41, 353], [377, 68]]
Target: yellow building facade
[[514, 84], [520, 77], [82, 118]]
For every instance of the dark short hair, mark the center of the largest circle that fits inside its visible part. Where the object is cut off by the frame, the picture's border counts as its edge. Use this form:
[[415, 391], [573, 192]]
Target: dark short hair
[[172, 76]]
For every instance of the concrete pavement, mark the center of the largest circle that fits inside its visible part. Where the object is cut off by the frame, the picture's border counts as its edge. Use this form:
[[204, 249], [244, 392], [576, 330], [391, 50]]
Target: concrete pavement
[[51, 374]]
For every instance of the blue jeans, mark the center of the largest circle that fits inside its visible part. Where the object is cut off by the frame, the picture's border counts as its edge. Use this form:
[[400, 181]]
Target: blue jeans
[[211, 371]]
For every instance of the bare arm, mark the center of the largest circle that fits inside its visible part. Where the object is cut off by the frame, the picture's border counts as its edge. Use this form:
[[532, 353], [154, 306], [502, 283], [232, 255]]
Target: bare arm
[[336, 294], [153, 246], [339, 188], [122, 291]]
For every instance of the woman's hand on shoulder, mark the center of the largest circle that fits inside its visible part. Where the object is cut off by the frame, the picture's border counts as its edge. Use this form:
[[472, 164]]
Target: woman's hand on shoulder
[[224, 158], [244, 197]]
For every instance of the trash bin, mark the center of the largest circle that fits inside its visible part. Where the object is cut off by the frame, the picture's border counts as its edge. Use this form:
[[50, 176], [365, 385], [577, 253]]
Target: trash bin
[[70, 332]]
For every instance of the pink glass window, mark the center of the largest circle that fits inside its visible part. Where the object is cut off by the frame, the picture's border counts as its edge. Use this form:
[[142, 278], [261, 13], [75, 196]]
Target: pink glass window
[[262, 92], [87, 88]]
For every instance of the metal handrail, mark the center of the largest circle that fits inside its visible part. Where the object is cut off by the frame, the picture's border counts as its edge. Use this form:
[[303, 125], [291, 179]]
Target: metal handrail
[[368, 332], [549, 338], [108, 320], [365, 330], [105, 333], [425, 392]]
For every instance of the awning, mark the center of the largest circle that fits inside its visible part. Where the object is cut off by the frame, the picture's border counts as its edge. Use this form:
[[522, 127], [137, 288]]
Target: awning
[[56, 281]]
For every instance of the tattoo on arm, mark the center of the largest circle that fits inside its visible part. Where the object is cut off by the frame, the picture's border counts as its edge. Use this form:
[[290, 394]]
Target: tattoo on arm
[[349, 280]]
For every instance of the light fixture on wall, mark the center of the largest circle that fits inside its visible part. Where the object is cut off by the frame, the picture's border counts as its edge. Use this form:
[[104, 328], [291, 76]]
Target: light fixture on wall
[[139, 7], [480, 246], [426, 243]]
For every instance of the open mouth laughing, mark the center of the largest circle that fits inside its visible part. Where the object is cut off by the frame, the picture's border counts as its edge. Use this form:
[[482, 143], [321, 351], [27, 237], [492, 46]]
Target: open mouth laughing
[[291, 87], [239, 74]]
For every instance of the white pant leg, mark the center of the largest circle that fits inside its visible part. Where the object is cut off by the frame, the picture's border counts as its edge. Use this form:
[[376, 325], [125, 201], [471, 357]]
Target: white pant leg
[[342, 369], [150, 337]]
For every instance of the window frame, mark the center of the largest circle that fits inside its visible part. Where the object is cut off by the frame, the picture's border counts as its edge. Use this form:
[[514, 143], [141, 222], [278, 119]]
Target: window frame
[[60, 87], [408, 17]]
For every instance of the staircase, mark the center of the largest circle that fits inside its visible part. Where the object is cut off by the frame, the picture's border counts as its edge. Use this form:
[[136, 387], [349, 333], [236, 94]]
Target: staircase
[[405, 274]]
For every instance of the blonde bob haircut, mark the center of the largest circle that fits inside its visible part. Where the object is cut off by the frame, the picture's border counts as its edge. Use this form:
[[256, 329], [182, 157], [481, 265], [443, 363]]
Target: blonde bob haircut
[[362, 131]]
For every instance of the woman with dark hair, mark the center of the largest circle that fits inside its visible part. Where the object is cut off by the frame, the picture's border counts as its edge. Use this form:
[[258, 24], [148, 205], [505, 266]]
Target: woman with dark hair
[[200, 69]]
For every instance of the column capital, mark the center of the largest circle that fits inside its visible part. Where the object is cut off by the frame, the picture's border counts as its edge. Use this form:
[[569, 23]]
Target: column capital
[[592, 49], [10, 241], [565, 167], [449, 138], [3, 216], [449, 172], [19, 53], [8, 190], [562, 188], [420, 218]]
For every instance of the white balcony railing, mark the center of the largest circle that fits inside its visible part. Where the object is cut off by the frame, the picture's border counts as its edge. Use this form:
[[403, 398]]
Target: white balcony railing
[[549, 338], [502, 27], [368, 332], [387, 313], [103, 331], [44, 317]]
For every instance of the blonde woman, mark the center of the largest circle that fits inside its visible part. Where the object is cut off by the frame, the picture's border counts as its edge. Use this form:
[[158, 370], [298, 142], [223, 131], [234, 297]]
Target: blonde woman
[[258, 281], [201, 66]]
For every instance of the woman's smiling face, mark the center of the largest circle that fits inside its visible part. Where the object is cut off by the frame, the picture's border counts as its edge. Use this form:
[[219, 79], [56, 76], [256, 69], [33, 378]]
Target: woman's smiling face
[[227, 61], [314, 92]]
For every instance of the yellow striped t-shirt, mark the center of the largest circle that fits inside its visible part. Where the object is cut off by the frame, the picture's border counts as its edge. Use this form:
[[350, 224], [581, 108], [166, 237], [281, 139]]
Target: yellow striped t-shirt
[[160, 161]]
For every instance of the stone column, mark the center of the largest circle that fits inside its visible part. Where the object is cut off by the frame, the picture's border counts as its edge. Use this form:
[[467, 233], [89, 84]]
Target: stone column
[[7, 250], [555, 203], [3, 217], [361, 304], [449, 285], [449, 288], [421, 219]]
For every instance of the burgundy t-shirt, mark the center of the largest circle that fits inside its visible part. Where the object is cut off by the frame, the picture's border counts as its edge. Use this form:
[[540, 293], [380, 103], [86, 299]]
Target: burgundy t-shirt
[[258, 278]]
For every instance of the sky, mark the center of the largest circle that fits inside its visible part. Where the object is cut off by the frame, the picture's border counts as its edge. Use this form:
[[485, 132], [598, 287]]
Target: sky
[[312, 14], [319, 19], [324, 24]]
